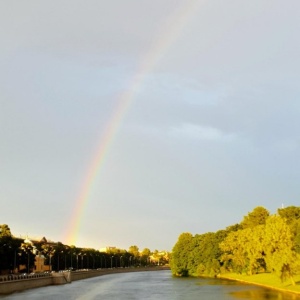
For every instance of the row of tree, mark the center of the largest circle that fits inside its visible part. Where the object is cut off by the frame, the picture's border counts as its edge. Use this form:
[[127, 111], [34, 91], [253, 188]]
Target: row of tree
[[18, 255], [260, 243]]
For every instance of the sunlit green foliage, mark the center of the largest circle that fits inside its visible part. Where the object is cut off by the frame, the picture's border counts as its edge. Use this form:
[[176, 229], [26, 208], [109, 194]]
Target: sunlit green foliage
[[258, 216], [180, 254], [134, 250], [243, 249], [197, 255], [18, 255], [278, 247], [292, 216], [262, 242], [4, 231]]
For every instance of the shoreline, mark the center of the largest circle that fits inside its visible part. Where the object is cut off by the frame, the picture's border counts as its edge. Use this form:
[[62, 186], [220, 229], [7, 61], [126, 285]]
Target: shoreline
[[12, 285], [101, 272], [245, 279]]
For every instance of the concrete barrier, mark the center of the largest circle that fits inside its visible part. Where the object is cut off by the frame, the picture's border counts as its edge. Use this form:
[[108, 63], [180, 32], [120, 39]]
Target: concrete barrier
[[16, 283], [12, 286]]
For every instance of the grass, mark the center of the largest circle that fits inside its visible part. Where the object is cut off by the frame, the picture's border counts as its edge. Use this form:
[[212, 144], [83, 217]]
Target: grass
[[267, 280]]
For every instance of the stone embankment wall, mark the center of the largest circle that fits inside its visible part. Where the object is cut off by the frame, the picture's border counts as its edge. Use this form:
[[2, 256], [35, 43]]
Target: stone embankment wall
[[11, 284]]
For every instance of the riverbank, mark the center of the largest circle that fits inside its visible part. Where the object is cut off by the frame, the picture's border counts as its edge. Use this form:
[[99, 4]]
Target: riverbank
[[266, 280], [13, 284]]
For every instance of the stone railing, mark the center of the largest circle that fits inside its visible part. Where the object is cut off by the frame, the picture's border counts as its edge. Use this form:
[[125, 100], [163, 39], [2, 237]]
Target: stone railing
[[12, 277]]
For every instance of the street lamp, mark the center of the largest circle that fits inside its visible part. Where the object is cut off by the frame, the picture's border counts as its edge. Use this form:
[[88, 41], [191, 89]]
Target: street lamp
[[15, 260], [105, 266], [111, 261], [93, 261], [27, 261], [57, 261], [50, 266], [77, 260]]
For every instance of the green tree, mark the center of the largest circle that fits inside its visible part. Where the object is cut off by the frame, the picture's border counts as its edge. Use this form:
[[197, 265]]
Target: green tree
[[134, 250], [145, 254], [292, 216], [257, 217], [180, 254], [244, 248], [296, 232], [234, 252], [206, 253], [290, 213], [5, 231], [278, 247]]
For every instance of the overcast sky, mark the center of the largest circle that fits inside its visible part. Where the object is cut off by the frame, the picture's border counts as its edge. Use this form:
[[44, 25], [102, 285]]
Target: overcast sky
[[211, 130]]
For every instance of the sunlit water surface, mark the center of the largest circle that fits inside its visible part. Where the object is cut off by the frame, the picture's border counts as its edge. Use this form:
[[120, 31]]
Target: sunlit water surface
[[151, 285]]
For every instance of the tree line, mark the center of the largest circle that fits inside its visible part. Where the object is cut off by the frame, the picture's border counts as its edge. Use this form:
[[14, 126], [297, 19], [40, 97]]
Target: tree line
[[18, 255], [261, 242]]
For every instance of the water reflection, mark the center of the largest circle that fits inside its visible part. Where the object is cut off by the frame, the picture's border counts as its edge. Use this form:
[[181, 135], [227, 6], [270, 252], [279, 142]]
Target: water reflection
[[152, 286], [264, 294]]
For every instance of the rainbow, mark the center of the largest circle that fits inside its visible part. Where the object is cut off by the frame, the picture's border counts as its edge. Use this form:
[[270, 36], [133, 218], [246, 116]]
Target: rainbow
[[167, 37]]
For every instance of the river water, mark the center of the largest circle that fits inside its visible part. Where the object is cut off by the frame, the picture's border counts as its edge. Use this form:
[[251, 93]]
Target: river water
[[151, 285]]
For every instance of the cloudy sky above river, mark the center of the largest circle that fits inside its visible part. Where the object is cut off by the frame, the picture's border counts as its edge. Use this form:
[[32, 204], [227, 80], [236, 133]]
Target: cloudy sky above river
[[188, 111]]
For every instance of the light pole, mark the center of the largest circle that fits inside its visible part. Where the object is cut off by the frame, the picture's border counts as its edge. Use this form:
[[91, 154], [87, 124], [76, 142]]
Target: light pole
[[50, 266], [105, 266], [57, 261], [111, 258], [93, 261], [27, 261], [15, 261]]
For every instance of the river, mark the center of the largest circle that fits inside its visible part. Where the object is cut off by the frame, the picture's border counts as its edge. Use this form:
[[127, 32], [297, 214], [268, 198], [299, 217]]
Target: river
[[151, 286]]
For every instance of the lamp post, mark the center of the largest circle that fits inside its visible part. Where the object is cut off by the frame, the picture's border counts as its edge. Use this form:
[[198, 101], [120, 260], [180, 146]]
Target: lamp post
[[50, 266], [105, 266], [111, 261], [93, 261], [15, 260], [27, 261]]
